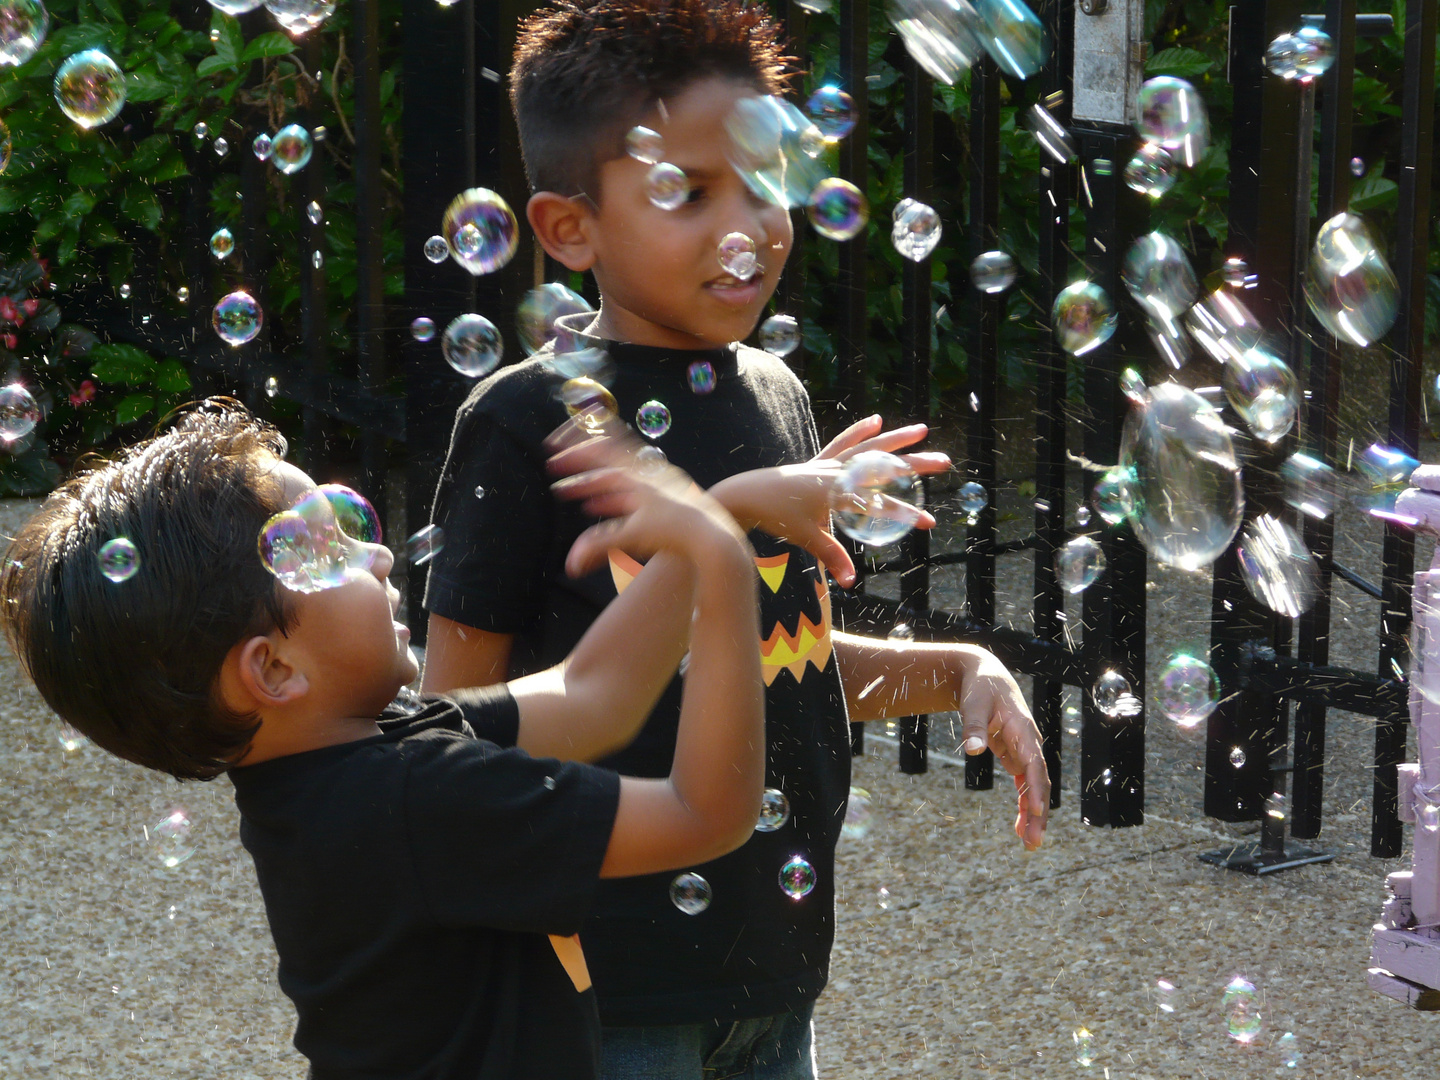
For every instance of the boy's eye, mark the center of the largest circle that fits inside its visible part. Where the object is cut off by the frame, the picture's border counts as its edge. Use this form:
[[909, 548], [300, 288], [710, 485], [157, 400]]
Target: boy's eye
[[695, 195], [353, 513]]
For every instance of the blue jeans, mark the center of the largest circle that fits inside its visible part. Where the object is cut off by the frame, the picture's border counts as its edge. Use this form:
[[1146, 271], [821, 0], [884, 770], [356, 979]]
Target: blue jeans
[[771, 1048]]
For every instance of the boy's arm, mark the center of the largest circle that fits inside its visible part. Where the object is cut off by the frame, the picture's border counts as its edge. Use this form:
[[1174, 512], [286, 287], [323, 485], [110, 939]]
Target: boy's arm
[[457, 655], [899, 678]]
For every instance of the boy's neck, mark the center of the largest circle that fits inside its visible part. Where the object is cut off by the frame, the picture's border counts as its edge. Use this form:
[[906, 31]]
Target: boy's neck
[[623, 328], [282, 736]]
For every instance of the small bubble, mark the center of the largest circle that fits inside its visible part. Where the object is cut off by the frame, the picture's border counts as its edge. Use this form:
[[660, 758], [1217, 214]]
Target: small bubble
[[737, 256], [201, 129], [222, 243], [472, 345], [993, 272], [221, 147], [237, 318], [774, 811], [701, 377], [90, 88], [70, 739], [479, 491], [1357, 168], [859, 814], [780, 335], [875, 498], [171, 839], [272, 386], [182, 294], [690, 893], [314, 213], [291, 149], [797, 877], [1242, 1010], [425, 545], [666, 186], [644, 145], [125, 291], [423, 329], [119, 560], [317, 259], [1237, 757], [262, 146], [1084, 1047], [1114, 696], [652, 419], [436, 249], [19, 413]]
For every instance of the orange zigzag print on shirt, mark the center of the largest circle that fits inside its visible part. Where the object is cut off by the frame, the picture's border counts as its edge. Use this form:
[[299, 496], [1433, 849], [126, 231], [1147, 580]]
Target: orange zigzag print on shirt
[[779, 649]]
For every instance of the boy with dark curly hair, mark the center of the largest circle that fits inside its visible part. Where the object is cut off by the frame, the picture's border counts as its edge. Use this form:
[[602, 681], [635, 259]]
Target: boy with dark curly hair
[[724, 989]]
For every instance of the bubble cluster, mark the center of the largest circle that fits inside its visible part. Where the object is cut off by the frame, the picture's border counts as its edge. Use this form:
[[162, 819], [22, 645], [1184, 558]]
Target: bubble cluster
[[774, 811], [19, 413], [701, 377], [481, 230], [837, 210], [90, 88], [1084, 317], [773, 147], [472, 345], [874, 499], [1276, 567], [690, 893], [797, 877], [1242, 1010], [736, 253], [1264, 391], [425, 545], [1177, 442], [916, 229], [1304, 55], [1114, 696], [23, 26], [833, 111], [1188, 690], [1078, 564], [644, 145], [171, 838], [1173, 116], [666, 186], [299, 17], [536, 315], [1151, 172], [422, 329], [780, 334], [652, 419], [1350, 287], [859, 815], [237, 318], [305, 548], [992, 271], [119, 560]]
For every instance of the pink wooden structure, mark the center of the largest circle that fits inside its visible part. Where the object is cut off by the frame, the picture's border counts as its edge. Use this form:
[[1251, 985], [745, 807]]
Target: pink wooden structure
[[1405, 960]]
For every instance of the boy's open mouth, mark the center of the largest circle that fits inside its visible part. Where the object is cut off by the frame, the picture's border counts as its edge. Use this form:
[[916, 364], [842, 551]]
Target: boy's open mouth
[[731, 289]]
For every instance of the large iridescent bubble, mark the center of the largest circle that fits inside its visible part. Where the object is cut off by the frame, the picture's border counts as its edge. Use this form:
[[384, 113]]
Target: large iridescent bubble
[[875, 498], [481, 230], [90, 88], [773, 147], [837, 209], [1276, 566], [291, 149], [23, 26], [19, 413], [1158, 274], [940, 35], [1083, 316], [535, 318], [1350, 287], [1173, 115], [1182, 486], [1264, 391], [1013, 36], [298, 17], [237, 318]]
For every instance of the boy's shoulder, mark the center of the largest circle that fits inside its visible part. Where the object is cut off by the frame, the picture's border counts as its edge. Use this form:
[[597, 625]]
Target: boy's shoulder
[[519, 397]]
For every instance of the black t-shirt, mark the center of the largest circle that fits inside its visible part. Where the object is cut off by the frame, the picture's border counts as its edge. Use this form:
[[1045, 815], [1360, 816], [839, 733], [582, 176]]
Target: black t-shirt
[[754, 951], [411, 880]]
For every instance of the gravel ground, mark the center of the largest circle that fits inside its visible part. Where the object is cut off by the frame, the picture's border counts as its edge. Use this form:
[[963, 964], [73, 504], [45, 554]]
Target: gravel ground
[[981, 960]]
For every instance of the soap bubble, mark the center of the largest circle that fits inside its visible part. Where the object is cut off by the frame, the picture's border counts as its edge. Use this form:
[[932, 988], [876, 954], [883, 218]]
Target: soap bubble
[[1170, 340], [1264, 391], [1084, 317], [422, 329], [701, 377], [972, 498], [317, 258], [305, 549], [233, 7], [536, 315], [1276, 567], [1237, 757], [19, 413], [644, 145], [875, 497], [90, 88], [314, 212], [1242, 1010], [1172, 115], [1189, 690], [70, 739], [291, 149], [690, 893], [1151, 171], [992, 271], [737, 255], [1289, 1050], [1384, 466], [272, 386], [298, 17], [1165, 995], [939, 34], [221, 147], [652, 419], [1224, 327], [916, 231], [1276, 806], [119, 560], [436, 249], [1350, 287], [833, 111], [1111, 495], [1235, 272], [774, 810], [263, 146], [1050, 134], [23, 26], [1305, 54], [770, 147], [586, 395], [1082, 515], [1012, 34], [837, 209], [667, 186], [780, 335], [125, 291], [1357, 166], [859, 814], [182, 294], [1078, 564], [1084, 1047], [1182, 489], [496, 233], [1158, 274], [1309, 485], [425, 545], [354, 514], [797, 877], [471, 345], [1114, 696], [171, 838], [237, 318]]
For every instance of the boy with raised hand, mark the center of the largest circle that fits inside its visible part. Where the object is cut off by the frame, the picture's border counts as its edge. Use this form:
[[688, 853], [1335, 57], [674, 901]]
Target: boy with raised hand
[[730, 988], [424, 873]]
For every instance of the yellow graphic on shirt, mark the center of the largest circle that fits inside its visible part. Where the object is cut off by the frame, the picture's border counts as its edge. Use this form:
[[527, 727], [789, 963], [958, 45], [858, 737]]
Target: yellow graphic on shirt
[[572, 959], [780, 650]]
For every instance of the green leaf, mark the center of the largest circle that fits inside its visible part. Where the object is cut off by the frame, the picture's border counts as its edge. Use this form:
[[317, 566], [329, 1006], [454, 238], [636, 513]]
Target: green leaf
[[211, 64], [77, 204], [132, 407], [85, 173], [146, 86], [140, 204], [231, 41], [172, 168], [1374, 192], [1181, 62], [271, 44], [120, 363], [172, 378]]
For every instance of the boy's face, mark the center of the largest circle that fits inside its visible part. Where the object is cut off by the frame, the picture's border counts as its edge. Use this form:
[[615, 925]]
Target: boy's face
[[659, 274], [353, 652]]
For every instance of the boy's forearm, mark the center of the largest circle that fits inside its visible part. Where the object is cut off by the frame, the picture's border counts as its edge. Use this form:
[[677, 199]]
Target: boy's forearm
[[891, 678]]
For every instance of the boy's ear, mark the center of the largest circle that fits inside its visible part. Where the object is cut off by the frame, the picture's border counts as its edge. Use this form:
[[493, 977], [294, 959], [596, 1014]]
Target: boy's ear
[[260, 677], [560, 225]]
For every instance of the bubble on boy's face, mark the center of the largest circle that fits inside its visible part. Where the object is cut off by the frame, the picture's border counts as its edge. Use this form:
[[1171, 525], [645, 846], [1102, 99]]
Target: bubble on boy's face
[[310, 546], [771, 144]]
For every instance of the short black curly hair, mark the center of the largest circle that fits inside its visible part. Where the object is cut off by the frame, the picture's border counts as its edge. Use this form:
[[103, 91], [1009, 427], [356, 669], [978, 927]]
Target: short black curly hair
[[586, 70], [134, 665]]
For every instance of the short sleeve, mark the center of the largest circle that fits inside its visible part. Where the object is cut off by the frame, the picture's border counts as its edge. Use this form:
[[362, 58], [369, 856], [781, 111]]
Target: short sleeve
[[503, 840], [495, 508], [491, 712]]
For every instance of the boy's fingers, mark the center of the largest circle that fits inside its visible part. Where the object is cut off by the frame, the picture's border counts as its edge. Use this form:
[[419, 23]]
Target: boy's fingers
[[900, 510], [929, 464], [592, 548], [597, 481], [890, 441], [851, 436], [836, 559]]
